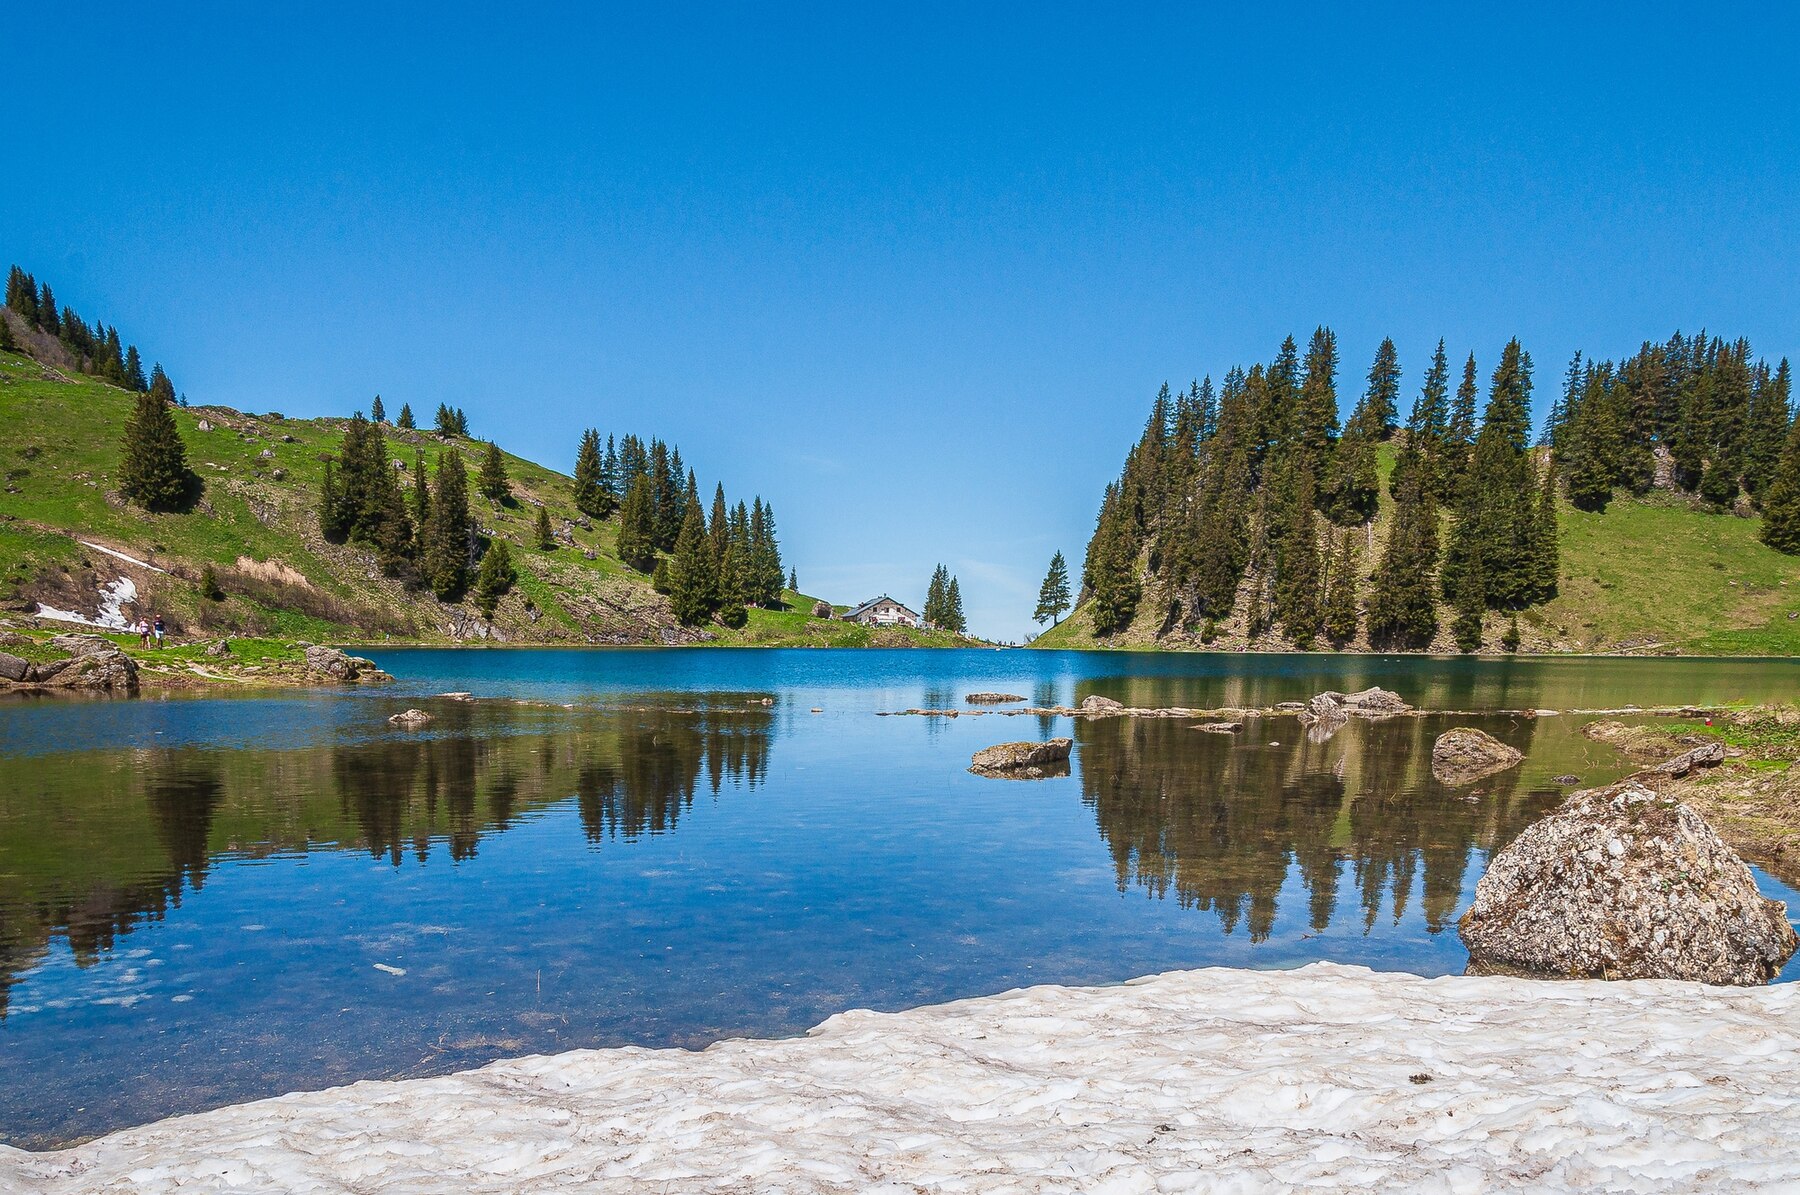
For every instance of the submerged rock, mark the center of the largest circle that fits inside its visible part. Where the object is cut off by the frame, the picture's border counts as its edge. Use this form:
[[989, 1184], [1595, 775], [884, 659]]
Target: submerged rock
[[992, 698], [1620, 883], [411, 718], [1220, 727], [1464, 754], [1023, 761]]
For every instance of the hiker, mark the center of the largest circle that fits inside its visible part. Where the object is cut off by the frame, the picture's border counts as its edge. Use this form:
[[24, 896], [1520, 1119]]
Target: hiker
[[158, 628], [143, 630]]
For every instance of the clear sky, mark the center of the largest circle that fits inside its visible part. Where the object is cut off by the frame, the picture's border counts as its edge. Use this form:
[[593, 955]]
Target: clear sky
[[913, 272]]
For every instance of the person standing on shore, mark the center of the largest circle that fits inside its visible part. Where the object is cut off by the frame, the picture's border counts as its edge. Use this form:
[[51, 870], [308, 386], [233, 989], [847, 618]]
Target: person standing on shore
[[143, 632], [157, 626]]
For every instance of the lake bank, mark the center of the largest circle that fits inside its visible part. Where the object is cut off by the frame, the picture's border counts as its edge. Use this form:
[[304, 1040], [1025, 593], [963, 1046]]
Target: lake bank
[[1200, 1079]]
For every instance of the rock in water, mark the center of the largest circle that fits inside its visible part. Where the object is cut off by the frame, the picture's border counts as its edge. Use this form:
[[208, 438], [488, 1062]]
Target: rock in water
[[1464, 754], [1023, 761], [411, 719], [1620, 883], [992, 698], [1374, 702], [1096, 704], [338, 666]]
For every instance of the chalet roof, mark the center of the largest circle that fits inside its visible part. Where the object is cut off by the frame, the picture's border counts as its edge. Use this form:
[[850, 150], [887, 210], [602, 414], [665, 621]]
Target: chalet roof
[[876, 601]]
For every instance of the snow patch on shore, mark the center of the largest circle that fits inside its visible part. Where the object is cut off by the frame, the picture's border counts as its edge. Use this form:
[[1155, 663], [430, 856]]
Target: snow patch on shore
[[1199, 1080], [113, 597]]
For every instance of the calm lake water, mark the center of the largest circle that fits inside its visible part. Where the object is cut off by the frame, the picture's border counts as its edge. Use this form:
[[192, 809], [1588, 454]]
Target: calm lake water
[[206, 900]]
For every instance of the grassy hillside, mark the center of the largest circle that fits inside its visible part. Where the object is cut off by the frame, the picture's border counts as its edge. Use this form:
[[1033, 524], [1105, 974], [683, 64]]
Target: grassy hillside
[[1658, 574], [256, 526]]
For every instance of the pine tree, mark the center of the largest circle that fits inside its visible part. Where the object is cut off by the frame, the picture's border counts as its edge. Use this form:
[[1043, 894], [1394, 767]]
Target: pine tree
[[668, 502], [637, 527], [1340, 615], [933, 613], [1352, 488], [1382, 398], [765, 556], [134, 371], [953, 605], [1781, 501], [153, 472], [546, 539], [1296, 552], [446, 422], [1509, 639], [377, 412], [161, 388], [1769, 413], [1465, 628], [445, 559], [1546, 549], [1053, 594], [1494, 535], [1315, 426], [1402, 608], [1459, 432], [609, 473], [793, 582], [47, 312], [405, 422], [737, 581], [334, 515], [494, 578], [590, 498], [693, 573], [492, 481], [1427, 432], [718, 526], [421, 499], [209, 585]]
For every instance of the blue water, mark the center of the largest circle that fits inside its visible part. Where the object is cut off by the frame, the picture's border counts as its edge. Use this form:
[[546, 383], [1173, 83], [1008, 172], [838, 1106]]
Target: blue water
[[195, 893]]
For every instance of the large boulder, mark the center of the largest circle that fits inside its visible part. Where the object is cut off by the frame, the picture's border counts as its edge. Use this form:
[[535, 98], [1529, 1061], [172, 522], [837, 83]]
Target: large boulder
[[13, 668], [329, 661], [1373, 702], [411, 719], [101, 668], [82, 645], [1096, 704], [1464, 755], [1621, 883], [1023, 761]]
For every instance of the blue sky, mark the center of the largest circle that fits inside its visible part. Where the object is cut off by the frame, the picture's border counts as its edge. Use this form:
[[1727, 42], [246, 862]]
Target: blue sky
[[912, 272]]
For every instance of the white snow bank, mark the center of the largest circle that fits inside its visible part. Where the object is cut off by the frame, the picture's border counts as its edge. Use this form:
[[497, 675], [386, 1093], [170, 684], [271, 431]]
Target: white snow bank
[[111, 615], [118, 555], [1202, 1080]]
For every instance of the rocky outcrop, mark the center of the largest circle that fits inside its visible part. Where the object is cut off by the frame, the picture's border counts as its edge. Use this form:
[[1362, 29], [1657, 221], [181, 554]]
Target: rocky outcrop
[[329, 661], [992, 698], [821, 610], [1096, 704], [1620, 883], [1023, 761], [219, 650], [411, 719], [1706, 755], [99, 668], [1464, 755]]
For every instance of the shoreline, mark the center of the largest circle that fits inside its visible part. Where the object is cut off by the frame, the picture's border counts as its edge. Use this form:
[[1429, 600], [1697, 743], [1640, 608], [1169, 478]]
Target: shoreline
[[1198, 1079]]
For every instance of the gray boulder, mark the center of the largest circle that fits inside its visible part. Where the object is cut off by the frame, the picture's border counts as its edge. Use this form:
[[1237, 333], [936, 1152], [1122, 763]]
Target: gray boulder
[[82, 645], [13, 668], [1464, 755], [411, 719], [1374, 702], [104, 669], [219, 650], [821, 610], [1023, 761], [1621, 883], [329, 661], [1096, 704]]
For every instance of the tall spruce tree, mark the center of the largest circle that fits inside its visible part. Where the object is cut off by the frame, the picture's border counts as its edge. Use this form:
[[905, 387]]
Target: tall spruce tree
[[153, 471], [1494, 535], [161, 388], [718, 524], [47, 312], [421, 497], [445, 556], [933, 613], [590, 497], [134, 378], [1383, 395], [1403, 606], [494, 578], [334, 513], [693, 573], [1053, 594], [637, 527], [405, 422], [492, 481], [1781, 501], [541, 532], [1340, 615], [377, 412], [1314, 427], [1296, 553], [1459, 433], [1769, 414], [954, 608]]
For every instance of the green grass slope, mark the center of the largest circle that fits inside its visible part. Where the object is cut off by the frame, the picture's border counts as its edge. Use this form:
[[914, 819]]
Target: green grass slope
[[256, 526], [1658, 574]]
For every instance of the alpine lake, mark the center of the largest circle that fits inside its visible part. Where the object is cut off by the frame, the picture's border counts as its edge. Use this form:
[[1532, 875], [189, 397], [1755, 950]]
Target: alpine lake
[[212, 899]]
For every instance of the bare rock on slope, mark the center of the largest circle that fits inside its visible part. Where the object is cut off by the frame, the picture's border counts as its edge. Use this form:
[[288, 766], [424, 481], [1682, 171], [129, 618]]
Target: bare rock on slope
[[1620, 883], [1463, 755]]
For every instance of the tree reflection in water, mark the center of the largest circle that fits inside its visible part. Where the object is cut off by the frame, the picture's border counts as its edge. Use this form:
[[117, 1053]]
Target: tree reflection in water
[[1218, 821]]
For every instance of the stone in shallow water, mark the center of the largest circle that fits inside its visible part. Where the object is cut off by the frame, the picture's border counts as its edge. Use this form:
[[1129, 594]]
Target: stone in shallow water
[[992, 698], [1464, 755], [1023, 761], [1620, 883]]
